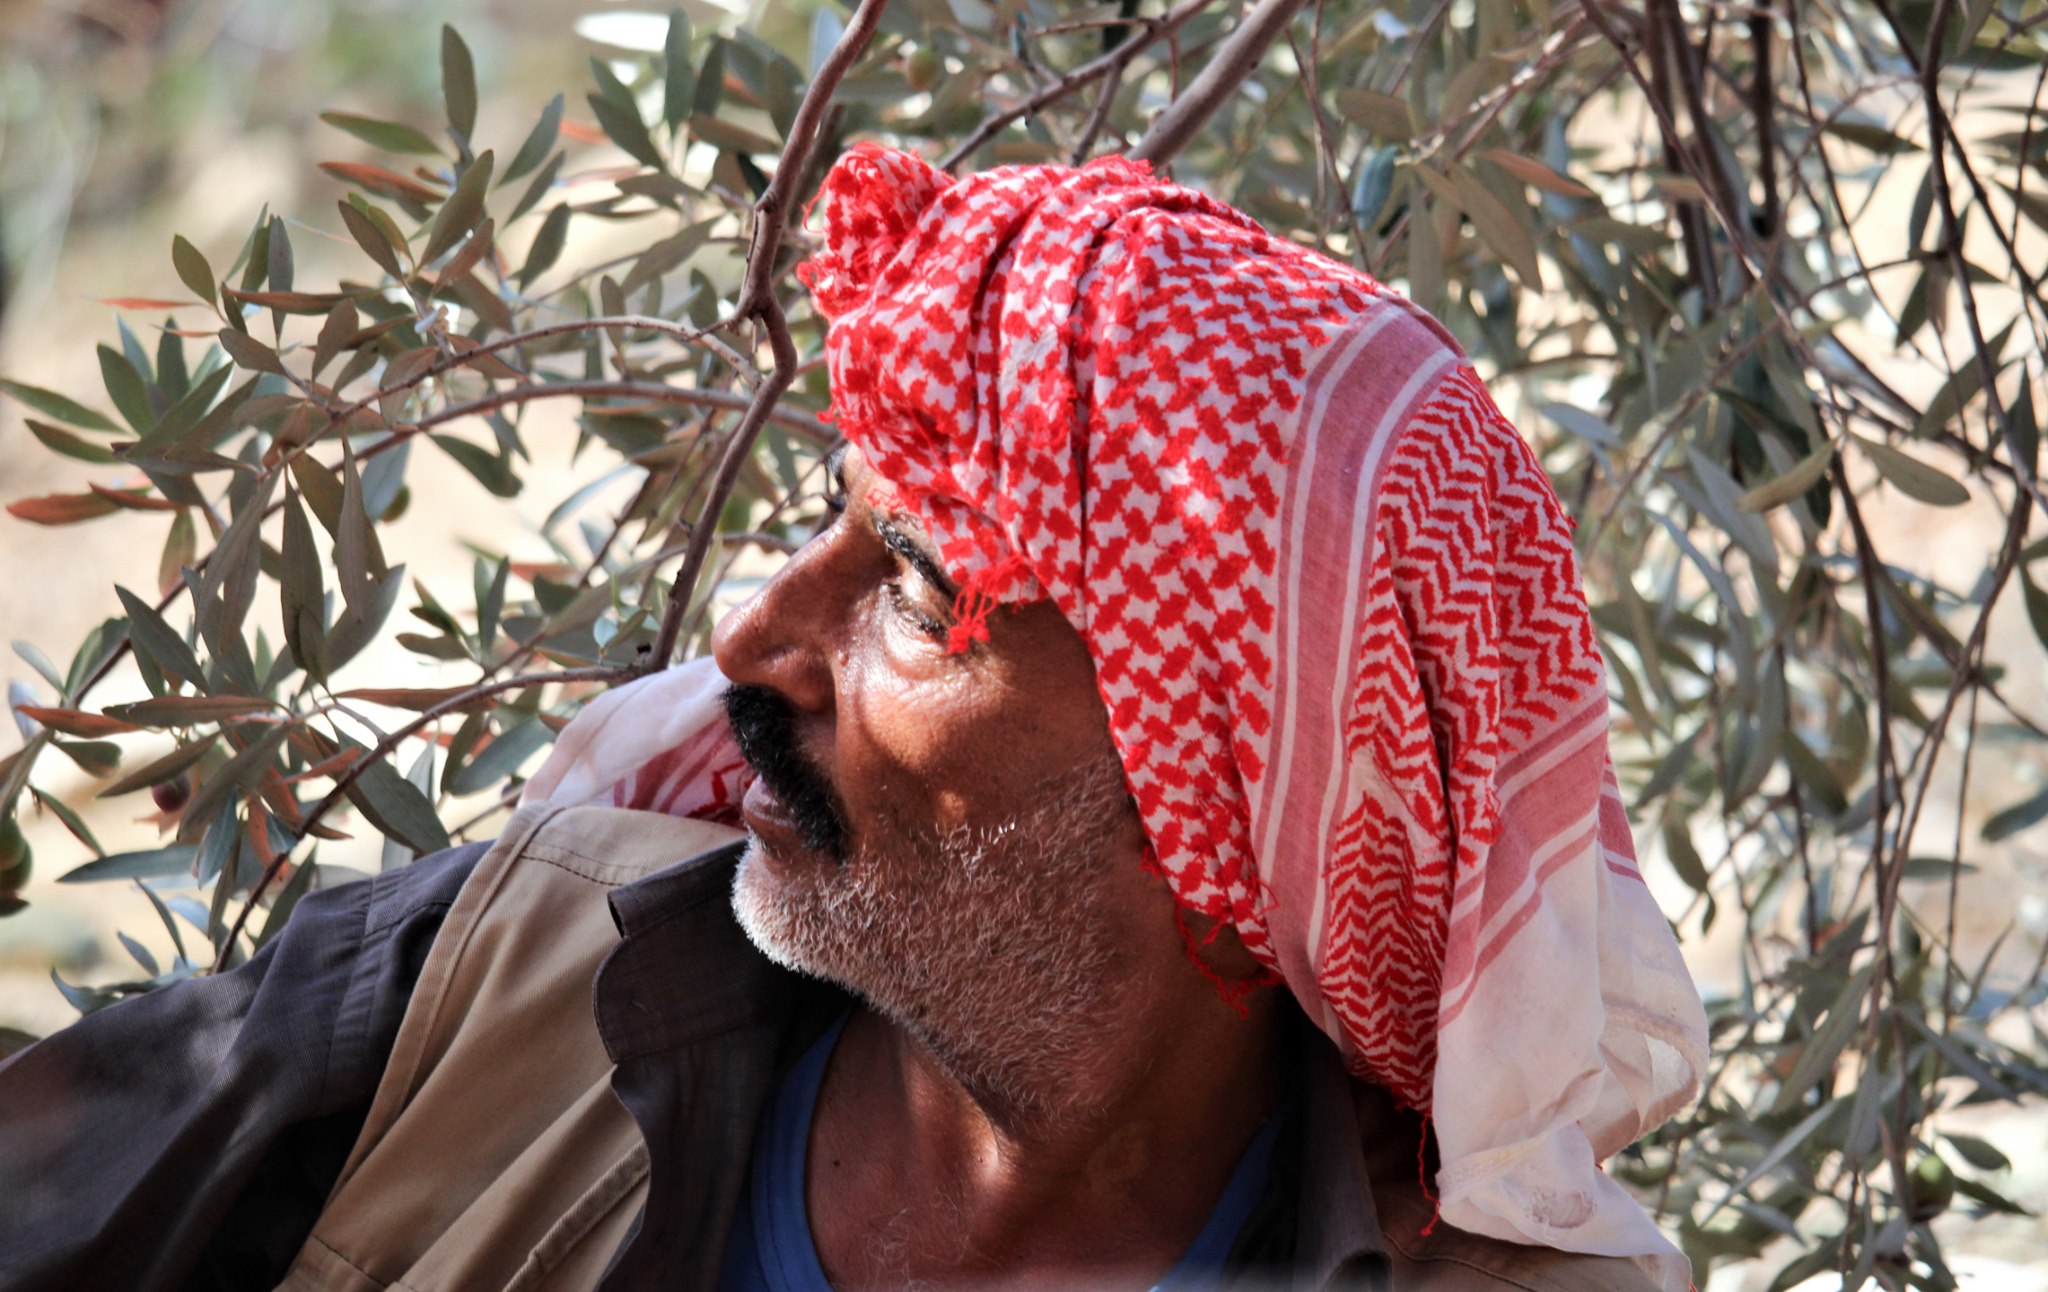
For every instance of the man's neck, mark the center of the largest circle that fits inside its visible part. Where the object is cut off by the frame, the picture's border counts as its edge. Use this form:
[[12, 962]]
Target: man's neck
[[914, 1177]]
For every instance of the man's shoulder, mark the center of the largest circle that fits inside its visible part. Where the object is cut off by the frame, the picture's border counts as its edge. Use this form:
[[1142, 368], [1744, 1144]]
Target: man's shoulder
[[1450, 1258], [428, 885]]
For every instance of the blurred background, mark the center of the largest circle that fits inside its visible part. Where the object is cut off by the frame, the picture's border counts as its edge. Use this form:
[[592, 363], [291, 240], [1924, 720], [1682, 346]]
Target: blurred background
[[120, 124]]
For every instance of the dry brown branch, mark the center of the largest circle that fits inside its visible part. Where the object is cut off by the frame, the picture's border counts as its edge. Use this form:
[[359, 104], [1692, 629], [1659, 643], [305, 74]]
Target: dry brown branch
[[1098, 118], [1150, 31], [757, 300], [771, 213], [1730, 220], [1216, 82], [1763, 97]]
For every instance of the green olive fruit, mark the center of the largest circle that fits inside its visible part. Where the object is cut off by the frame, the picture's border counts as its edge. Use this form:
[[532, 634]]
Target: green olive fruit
[[16, 857], [1934, 1187], [399, 502], [923, 68]]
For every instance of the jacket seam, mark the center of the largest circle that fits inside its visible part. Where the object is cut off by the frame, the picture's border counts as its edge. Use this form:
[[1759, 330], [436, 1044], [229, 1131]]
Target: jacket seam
[[354, 1011], [584, 1214], [398, 912], [551, 846], [337, 1254], [345, 1013], [514, 844], [563, 863]]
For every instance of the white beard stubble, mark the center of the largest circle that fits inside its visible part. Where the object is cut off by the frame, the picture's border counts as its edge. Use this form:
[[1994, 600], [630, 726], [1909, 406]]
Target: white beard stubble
[[992, 947]]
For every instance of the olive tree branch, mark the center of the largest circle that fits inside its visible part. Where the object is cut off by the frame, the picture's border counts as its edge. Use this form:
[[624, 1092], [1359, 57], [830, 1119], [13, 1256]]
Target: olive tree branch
[[651, 391], [1151, 31], [759, 412], [1762, 99], [1941, 134], [771, 213], [757, 302], [1099, 118], [1887, 866], [1216, 82], [641, 322], [648, 390], [1658, 102], [384, 748]]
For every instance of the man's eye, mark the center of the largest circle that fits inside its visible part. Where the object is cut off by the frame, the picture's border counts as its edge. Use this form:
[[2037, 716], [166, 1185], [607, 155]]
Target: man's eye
[[835, 507], [910, 610]]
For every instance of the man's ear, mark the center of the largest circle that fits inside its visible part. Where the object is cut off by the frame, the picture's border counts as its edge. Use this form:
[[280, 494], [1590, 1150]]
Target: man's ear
[[1216, 944]]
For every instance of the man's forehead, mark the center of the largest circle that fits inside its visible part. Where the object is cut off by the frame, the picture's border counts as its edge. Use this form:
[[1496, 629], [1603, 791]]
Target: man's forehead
[[848, 465], [853, 475]]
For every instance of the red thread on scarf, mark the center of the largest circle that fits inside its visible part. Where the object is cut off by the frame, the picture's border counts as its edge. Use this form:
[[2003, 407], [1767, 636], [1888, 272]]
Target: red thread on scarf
[[1436, 1206], [1234, 994], [979, 596]]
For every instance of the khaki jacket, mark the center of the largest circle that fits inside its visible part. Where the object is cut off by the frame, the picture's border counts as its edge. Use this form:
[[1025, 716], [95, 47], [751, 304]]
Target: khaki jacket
[[500, 1153]]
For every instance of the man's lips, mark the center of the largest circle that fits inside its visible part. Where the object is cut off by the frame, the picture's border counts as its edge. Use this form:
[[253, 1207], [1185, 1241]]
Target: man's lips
[[770, 820], [765, 726]]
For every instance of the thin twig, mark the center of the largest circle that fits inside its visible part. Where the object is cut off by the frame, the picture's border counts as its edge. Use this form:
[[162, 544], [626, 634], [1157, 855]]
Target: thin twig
[[1706, 157], [1098, 118], [1762, 97], [1887, 866], [1219, 78], [389, 744], [771, 213], [1115, 60], [757, 301], [1941, 133], [684, 335], [1658, 104], [1421, 32], [653, 392]]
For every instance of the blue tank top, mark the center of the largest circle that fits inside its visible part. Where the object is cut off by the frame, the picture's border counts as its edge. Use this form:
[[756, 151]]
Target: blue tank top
[[769, 1249]]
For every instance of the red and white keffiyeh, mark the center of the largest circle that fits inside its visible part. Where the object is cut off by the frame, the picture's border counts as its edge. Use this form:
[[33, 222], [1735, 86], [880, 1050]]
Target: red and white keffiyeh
[[1336, 620]]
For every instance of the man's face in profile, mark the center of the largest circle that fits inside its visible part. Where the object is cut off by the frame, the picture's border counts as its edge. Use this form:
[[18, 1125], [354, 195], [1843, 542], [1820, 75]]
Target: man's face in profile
[[946, 834]]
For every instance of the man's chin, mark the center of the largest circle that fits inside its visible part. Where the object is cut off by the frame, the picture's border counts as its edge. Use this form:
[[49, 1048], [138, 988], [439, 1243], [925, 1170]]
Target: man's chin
[[771, 905]]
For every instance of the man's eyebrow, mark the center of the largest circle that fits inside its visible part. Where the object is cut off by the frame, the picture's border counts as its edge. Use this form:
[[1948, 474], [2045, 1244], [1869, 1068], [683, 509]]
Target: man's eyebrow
[[835, 468], [906, 547]]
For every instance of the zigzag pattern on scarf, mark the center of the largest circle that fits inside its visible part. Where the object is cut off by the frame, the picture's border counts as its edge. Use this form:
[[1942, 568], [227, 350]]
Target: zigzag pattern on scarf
[[1466, 622]]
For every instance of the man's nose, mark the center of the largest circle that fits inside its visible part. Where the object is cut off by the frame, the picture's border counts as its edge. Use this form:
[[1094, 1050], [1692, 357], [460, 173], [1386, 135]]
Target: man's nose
[[782, 636]]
